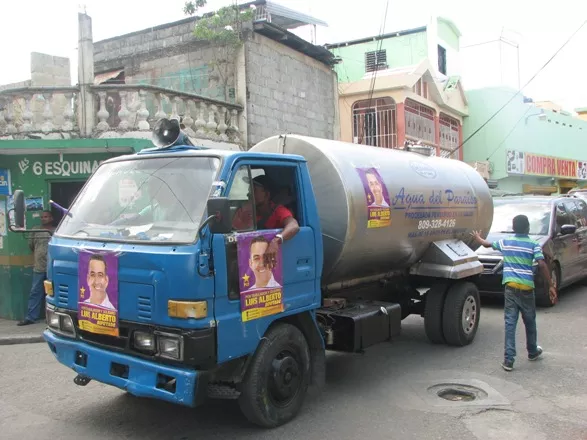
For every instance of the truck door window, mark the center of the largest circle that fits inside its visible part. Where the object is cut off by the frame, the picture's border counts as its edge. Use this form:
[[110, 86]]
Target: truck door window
[[284, 189], [241, 197]]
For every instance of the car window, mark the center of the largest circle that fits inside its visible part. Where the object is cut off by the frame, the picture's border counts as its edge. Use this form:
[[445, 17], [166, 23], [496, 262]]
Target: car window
[[575, 212], [563, 217], [581, 212]]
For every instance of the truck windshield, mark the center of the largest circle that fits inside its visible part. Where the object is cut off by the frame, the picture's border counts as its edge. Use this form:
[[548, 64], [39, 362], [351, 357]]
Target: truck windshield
[[538, 214], [151, 199]]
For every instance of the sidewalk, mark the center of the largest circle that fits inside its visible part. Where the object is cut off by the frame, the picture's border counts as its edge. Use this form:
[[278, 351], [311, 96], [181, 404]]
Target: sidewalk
[[11, 334]]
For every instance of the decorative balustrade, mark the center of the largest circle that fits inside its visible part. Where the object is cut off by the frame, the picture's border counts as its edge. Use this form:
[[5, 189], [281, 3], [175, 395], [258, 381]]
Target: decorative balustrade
[[137, 108], [45, 110], [118, 108]]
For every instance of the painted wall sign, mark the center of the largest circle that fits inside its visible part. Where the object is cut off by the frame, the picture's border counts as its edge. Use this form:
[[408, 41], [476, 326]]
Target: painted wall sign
[[65, 168], [5, 184], [261, 280], [98, 292], [530, 164]]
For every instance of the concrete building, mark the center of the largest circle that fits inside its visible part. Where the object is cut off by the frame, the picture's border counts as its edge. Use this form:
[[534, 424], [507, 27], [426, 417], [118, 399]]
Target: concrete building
[[528, 149], [283, 83], [54, 135], [403, 88]]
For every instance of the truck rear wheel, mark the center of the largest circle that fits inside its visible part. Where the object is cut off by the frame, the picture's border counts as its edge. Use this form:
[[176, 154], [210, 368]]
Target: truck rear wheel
[[433, 310], [277, 379], [462, 310]]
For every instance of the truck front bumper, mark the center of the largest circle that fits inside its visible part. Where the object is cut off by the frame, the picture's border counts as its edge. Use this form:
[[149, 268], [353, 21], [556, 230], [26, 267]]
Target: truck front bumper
[[137, 376]]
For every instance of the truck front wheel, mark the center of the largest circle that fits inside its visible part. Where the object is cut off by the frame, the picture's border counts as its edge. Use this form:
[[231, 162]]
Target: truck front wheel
[[462, 310], [276, 381]]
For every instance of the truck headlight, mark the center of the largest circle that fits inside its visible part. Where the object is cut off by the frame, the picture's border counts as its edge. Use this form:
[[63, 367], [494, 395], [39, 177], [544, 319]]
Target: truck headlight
[[67, 324], [169, 346], [144, 341], [52, 319]]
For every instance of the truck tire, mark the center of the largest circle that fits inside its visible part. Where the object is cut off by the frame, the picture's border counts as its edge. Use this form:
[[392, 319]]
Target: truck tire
[[462, 310], [542, 293], [276, 381], [433, 310]]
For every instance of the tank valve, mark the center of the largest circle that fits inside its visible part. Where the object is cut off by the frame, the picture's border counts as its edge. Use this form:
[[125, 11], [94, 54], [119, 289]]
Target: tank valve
[[81, 380]]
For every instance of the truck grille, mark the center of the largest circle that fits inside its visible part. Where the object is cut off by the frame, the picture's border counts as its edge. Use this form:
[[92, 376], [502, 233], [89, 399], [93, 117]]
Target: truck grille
[[491, 266], [144, 308], [62, 295]]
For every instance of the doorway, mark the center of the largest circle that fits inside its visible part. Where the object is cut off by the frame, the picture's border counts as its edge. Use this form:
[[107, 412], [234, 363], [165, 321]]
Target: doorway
[[63, 193]]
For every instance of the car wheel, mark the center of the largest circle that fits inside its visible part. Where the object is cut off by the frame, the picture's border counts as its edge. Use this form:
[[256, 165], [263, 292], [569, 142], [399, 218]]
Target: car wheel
[[542, 293]]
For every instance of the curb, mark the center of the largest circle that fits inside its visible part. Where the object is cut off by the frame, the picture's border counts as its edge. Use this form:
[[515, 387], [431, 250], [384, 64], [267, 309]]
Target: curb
[[16, 340]]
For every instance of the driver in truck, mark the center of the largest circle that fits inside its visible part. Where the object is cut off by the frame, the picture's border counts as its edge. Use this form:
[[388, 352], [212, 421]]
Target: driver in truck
[[519, 252], [269, 216]]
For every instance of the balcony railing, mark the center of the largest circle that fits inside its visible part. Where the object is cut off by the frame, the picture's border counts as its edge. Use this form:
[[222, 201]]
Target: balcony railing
[[49, 112]]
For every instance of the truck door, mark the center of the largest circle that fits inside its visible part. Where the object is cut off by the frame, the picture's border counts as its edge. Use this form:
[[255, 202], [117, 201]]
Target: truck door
[[293, 280]]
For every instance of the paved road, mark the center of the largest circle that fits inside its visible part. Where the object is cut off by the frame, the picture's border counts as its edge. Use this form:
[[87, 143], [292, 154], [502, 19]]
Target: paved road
[[379, 395]]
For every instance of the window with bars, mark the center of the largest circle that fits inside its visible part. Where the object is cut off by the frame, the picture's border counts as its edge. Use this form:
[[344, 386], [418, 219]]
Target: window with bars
[[419, 121], [449, 136], [375, 60], [374, 122]]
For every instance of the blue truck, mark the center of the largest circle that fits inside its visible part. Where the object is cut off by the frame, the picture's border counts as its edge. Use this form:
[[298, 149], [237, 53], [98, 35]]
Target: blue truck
[[154, 287]]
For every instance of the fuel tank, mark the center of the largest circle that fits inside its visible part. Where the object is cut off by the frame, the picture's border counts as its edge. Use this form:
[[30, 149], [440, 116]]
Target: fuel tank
[[381, 209]]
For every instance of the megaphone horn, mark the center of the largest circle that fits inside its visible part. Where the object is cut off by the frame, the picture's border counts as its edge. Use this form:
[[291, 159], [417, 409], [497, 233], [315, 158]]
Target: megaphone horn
[[167, 133]]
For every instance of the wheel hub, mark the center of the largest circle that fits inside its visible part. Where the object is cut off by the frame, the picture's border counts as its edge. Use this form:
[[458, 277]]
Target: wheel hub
[[286, 378], [469, 317]]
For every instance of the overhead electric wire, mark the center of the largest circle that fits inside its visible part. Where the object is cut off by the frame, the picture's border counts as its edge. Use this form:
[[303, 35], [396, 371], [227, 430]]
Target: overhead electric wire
[[377, 50], [520, 90]]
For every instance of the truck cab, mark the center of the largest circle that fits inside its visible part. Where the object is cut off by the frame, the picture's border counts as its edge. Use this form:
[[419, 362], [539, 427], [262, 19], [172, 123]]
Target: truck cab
[[174, 327]]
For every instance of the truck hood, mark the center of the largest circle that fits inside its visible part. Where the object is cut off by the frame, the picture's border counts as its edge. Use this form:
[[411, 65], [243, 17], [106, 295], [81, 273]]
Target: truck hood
[[483, 251], [148, 276]]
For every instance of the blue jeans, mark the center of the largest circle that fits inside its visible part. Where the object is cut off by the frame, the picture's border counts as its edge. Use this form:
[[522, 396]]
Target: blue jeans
[[36, 296], [516, 302]]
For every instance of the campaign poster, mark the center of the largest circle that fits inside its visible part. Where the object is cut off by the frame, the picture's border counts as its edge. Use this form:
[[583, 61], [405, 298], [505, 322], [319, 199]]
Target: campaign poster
[[261, 277], [98, 292], [378, 204]]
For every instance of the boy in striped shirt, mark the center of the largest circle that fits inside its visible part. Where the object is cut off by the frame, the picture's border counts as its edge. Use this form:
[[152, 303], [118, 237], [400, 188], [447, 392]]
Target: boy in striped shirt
[[519, 252]]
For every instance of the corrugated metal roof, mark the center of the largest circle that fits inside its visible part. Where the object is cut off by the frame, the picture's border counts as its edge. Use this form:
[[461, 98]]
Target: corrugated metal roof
[[101, 78]]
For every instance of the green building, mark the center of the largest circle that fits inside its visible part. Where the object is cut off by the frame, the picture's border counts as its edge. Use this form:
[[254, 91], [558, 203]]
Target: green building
[[528, 147], [44, 170]]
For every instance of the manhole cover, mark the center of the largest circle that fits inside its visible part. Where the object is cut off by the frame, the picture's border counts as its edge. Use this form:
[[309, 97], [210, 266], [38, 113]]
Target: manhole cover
[[454, 392], [457, 395]]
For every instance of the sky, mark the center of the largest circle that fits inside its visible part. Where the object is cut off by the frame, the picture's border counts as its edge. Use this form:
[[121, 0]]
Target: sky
[[51, 27]]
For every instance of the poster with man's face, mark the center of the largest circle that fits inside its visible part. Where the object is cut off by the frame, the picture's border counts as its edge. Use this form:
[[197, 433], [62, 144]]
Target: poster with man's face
[[98, 292], [378, 204], [261, 275]]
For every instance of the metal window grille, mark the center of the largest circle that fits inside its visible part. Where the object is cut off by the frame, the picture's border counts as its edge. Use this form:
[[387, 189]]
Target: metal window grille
[[375, 60], [419, 121], [449, 136], [374, 123]]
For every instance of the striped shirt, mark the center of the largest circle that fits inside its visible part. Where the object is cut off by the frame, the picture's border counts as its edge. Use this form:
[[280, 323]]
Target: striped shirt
[[519, 252]]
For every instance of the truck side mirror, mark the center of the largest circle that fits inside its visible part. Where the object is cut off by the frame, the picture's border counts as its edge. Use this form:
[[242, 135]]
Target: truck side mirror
[[19, 208], [219, 207], [568, 229]]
